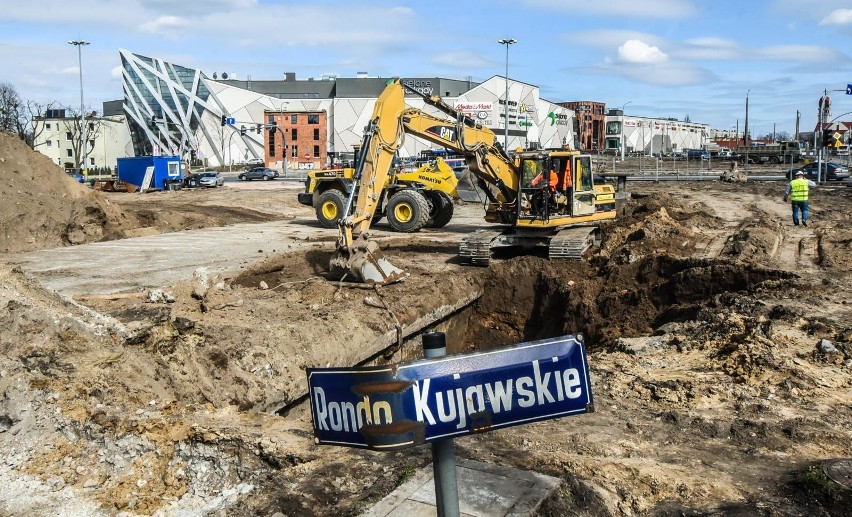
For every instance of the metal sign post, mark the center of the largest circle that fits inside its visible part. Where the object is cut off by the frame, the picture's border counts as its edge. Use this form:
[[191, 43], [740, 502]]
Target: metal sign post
[[443, 451], [437, 398]]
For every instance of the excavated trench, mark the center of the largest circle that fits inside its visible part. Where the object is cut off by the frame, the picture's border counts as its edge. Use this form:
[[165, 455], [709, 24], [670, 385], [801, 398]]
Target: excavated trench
[[526, 299], [530, 298]]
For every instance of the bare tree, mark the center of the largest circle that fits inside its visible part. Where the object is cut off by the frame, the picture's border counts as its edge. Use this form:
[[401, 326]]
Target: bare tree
[[71, 124], [31, 113], [10, 108]]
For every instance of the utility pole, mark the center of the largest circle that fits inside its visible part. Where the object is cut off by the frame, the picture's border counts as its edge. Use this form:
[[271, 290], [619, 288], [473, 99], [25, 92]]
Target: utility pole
[[623, 136], [798, 116], [745, 136], [507, 42], [84, 144]]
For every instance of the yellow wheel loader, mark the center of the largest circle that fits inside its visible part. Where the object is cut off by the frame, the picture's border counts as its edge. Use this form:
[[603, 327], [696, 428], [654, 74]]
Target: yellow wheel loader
[[401, 200]]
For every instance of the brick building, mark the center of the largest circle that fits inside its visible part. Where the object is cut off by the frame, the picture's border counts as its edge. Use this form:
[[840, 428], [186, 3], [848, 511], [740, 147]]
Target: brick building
[[590, 123], [304, 134]]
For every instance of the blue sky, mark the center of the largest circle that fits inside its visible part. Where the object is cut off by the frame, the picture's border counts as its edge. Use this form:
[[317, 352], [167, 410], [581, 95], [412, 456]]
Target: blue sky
[[665, 57]]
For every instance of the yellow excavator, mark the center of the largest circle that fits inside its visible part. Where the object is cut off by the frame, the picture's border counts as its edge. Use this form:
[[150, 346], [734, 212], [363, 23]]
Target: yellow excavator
[[543, 198]]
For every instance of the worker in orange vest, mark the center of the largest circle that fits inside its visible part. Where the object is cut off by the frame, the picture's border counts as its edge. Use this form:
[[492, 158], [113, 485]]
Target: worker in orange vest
[[554, 180]]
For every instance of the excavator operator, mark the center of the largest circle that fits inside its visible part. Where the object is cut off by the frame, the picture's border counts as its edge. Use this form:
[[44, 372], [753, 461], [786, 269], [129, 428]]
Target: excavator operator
[[564, 184], [553, 181]]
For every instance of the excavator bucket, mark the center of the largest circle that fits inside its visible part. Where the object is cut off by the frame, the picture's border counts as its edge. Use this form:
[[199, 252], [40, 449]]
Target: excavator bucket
[[364, 262]]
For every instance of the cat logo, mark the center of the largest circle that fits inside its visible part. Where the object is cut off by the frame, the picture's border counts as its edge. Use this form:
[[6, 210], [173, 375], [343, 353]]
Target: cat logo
[[443, 132]]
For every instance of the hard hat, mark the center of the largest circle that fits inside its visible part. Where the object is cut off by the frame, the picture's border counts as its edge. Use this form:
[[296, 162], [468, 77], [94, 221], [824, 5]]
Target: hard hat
[[800, 173]]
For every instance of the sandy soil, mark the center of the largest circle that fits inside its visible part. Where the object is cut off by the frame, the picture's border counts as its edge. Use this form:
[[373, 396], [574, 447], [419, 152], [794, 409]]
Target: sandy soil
[[705, 311]]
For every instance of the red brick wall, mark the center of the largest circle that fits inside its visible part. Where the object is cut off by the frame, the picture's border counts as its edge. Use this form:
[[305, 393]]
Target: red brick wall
[[304, 142]]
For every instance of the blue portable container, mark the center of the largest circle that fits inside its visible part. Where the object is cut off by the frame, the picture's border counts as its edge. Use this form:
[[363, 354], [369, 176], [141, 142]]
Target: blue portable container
[[165, 170]]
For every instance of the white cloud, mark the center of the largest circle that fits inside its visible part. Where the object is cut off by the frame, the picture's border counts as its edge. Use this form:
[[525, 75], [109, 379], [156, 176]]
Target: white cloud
[[637, 51], [665, 74], [164, 25], [609, 38], [802, 54], [195, 7], [115, 73], [622, 8], [838, 17], [463, 59], [709, 48]]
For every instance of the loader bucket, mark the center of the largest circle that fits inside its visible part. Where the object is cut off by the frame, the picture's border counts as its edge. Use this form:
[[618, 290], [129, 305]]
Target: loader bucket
[[364, 262], [467, 188]]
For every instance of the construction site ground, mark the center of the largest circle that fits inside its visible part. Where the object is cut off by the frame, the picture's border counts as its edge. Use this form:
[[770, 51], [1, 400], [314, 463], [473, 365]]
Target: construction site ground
[[161, 371]]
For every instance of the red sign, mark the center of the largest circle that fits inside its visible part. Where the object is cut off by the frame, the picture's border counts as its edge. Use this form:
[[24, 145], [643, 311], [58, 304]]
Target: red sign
[[307, 156]]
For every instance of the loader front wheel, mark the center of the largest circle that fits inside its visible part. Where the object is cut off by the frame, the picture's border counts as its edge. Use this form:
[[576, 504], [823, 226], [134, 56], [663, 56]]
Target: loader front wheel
[[330, 207], [407, 211], [440, 209]]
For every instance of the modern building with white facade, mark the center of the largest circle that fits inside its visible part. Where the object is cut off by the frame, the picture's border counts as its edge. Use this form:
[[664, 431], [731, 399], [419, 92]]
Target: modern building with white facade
[[179, 110], [646, 135]]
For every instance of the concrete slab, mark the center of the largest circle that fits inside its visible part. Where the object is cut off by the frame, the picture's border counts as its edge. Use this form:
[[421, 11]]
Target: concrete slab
[[156, 261], [485, 490]]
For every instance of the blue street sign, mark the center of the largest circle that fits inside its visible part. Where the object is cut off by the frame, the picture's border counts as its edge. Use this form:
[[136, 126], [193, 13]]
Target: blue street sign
[[230, 120], [849, 89], [406, 404]]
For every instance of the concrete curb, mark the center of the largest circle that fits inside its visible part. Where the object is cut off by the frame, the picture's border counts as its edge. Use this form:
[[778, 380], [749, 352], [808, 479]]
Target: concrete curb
[[485, 490]]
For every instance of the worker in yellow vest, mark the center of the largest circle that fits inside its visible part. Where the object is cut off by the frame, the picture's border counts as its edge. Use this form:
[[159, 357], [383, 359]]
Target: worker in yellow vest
[[797, 192]]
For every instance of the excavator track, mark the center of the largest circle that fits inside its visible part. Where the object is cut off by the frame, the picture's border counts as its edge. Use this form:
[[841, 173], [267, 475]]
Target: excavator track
[[572, 243], [475, 249]]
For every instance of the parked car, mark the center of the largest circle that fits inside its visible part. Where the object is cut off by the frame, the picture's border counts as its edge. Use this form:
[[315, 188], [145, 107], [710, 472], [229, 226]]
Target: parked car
[[697, 154], [77, 176], [210, 179], [258, 173], [831, 171], [727, 155]]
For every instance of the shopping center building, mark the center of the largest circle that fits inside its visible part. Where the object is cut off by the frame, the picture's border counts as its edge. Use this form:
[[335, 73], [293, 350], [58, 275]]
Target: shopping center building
[[174, 109]]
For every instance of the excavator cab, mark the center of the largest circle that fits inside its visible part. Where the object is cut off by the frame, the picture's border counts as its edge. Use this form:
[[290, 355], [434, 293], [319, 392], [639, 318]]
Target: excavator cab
[[536, 192], [558, 184]]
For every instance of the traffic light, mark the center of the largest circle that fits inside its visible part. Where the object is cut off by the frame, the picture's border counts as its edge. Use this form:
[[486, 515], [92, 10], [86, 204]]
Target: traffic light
[[828, 139], [224, 120], [259, 127], [192, 154], [242, 131]]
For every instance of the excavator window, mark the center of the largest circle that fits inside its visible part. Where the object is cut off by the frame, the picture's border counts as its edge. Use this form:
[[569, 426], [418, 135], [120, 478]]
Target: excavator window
[[531, 169], [584, 174]]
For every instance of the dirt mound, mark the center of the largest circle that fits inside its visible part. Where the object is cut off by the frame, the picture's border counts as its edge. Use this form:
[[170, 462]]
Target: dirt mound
[[43, 207]]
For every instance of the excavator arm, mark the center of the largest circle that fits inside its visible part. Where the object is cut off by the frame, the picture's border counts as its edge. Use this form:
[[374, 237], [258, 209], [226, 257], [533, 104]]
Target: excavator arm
[[357, 257], [473, 141]]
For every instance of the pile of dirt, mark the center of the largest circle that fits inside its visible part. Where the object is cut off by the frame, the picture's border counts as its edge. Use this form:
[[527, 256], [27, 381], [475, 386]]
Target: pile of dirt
[[731, 366], [43, 207]]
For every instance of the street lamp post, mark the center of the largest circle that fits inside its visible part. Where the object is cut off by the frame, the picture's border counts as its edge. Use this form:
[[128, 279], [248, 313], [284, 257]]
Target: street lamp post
[[506, 42], [83, 142], [623, 137], [745, 137], [230, 152], [283, 137]]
